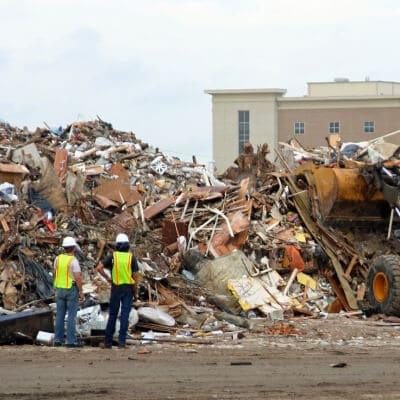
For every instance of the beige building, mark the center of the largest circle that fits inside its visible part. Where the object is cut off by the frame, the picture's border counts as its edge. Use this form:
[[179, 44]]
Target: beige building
[[356, 110]]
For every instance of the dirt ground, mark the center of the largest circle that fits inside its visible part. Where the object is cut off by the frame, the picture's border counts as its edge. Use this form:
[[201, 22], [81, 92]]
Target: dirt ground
[[260, 366]]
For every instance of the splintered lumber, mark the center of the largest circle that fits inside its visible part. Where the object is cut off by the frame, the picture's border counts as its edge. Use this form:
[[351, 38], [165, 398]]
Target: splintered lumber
[[4, 225], [350, 267]]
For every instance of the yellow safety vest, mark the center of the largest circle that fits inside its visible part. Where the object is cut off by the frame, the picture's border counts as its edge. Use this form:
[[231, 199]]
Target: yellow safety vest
[[63, 280], [122, 268]]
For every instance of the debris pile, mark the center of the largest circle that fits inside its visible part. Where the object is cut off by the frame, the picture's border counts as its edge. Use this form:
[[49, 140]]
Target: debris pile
[[347, 195], [215, 254]]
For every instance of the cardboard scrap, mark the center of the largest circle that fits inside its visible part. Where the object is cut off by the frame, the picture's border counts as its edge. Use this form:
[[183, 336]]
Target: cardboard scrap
[[118, 190], [12, 173]]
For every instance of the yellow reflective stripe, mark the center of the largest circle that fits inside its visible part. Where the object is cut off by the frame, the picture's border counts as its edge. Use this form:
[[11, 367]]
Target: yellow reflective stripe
[[66, 271], [56, 272], [130, 267], [116, 269]]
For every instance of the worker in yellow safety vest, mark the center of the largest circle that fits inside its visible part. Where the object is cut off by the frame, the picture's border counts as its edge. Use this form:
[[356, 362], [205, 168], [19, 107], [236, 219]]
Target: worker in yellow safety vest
[[123, 267], [68, 286]]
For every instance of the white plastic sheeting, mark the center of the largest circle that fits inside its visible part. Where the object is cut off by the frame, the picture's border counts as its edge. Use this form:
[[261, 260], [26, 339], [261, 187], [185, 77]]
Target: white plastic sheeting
[[156, 316]]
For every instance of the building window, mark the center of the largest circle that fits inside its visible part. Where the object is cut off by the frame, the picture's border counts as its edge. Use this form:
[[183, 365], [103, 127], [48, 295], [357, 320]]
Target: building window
[[244, 129], [298, 128], [334, 127], [369, 127]]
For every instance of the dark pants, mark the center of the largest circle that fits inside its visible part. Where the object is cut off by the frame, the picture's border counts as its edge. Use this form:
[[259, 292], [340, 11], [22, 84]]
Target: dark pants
[[120, 296]]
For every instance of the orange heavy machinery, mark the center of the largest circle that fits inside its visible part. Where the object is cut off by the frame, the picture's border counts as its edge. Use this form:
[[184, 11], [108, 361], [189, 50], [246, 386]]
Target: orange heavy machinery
[[347, 196]]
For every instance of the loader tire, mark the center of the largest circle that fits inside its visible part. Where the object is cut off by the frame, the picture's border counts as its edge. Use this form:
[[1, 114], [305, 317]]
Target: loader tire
[[383, 284]]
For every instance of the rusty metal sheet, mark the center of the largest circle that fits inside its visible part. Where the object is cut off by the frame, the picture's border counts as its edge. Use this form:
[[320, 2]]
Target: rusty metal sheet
[[205, 193], [171, 249], [169, 231], [120, 171], [157, 208], [104, 202]]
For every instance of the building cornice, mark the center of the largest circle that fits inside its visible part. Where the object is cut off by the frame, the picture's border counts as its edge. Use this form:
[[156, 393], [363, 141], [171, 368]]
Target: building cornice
[[335, 98], [245, 91], [348, 81]]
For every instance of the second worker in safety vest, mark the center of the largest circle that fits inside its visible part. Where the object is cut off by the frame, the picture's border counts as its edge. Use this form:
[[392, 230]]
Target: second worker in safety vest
[[124, 267], [68, 285]]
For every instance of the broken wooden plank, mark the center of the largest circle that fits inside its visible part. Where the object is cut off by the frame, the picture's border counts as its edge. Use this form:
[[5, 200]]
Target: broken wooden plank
[[4, 225], [350, 267], [172, 230], [13, 168], [157, 208], [341, 298], [361, 289]]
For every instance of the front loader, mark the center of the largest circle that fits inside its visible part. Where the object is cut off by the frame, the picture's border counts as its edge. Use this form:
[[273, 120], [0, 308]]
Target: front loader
[[367, 196]]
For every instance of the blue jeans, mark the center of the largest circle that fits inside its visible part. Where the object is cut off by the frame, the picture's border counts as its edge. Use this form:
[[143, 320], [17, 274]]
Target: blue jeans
[[67, 300], [120, 296]]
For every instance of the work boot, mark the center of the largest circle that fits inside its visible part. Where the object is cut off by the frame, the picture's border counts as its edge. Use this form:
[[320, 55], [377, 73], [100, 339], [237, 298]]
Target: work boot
[[122, 346], [57, 344], [105, 346], [74, 345]]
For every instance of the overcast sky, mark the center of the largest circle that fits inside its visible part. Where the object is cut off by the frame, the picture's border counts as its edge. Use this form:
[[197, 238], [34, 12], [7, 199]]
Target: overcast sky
[[143, 65]]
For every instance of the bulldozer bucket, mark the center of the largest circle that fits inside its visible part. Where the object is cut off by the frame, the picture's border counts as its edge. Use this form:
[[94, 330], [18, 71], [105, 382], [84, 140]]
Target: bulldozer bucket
[[343, 194]]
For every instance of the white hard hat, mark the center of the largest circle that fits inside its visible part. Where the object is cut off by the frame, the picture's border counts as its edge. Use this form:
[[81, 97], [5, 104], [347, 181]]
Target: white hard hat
[[122, 238], [69, 242]]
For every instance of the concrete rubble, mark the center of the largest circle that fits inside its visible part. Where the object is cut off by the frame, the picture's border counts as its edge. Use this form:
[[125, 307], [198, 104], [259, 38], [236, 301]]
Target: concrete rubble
[[216, 254]]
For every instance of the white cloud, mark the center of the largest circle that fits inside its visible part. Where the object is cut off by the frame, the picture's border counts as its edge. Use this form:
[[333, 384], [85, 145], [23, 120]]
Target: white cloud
[[144, 64]]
